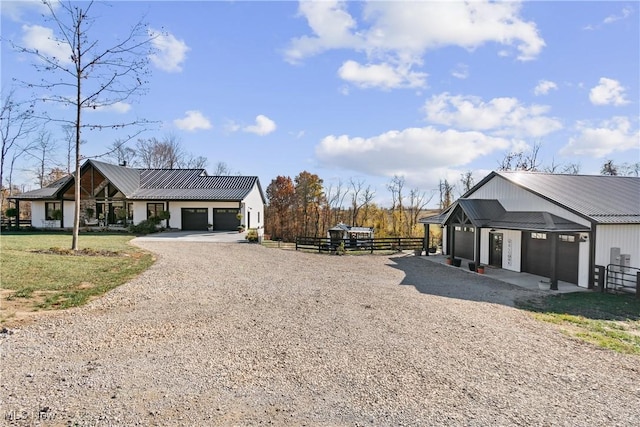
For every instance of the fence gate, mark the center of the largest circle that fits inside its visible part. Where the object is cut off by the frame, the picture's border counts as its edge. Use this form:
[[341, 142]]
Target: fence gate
[[622, 278]]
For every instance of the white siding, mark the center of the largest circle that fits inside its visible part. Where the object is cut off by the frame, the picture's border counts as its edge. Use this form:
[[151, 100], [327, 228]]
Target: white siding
[[511, 250], [514, 198], [484, 246], [253, 205], [37, 214], [583, 264], [68, 210], [623, 236]]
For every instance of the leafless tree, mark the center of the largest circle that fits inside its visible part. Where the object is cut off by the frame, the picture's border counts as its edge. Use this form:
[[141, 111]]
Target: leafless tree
[[446, 194], [609, 168], [222, 169], [466, 181], [397, 198], [16, 123], [418, 200], [42, 152], [521, 160], [121, 153], [97, 76]]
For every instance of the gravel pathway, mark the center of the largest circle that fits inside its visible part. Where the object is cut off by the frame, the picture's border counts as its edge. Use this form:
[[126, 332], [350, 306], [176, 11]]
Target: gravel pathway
[[238, 334]]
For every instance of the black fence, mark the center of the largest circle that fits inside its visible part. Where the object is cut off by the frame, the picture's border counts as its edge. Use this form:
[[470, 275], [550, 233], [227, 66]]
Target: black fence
[[618, 278], [5, 223], [323, 244]]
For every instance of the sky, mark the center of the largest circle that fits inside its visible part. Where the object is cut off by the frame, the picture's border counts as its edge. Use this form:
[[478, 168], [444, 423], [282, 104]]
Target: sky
[[365, 91]]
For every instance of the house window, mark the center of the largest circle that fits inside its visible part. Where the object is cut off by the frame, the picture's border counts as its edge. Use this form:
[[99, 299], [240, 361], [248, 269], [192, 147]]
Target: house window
[[130, 211], [567, 238], [154, 209], [258, 217], [541, 236], [50, 208]]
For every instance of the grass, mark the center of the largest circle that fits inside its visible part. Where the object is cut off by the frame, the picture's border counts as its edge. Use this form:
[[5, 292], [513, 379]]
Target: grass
[[60, 279], [606, 320]]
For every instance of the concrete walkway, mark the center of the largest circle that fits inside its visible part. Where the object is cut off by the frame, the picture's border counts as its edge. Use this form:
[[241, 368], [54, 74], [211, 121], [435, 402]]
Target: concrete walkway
[[524, 280]]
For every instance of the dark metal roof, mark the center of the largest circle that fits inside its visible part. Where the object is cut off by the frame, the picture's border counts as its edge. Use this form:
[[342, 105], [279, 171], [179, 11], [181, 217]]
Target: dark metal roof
[[45, 193], [169, 178], [604, 199], [490, 214], [535, 221], [480, 211], [160, 184], [125, 179]]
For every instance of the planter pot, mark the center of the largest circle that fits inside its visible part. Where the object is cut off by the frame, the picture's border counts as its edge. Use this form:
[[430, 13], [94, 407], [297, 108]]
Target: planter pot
[[432, 250], [472, 266], [480, 269], [457, 262], [417, 252], [449, 261], [544, 285]]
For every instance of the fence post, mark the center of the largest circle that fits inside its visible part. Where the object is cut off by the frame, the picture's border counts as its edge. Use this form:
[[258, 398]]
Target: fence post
[[600, 277]]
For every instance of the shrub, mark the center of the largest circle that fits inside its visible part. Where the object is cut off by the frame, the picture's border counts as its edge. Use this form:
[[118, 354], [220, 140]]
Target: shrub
[[11, 212], [252, 235], [146, 226]]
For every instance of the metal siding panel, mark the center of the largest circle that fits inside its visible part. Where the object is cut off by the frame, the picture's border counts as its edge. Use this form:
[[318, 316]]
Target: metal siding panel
[[626, 237]]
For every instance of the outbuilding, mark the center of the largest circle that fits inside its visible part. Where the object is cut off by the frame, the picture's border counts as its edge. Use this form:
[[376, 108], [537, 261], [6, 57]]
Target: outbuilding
[[552, 225]]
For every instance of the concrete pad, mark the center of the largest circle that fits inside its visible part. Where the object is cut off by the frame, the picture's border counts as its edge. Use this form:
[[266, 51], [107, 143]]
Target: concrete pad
[[196, 236]]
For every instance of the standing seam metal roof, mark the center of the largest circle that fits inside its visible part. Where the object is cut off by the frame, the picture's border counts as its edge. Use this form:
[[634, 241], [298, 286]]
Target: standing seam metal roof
[[604, 199]]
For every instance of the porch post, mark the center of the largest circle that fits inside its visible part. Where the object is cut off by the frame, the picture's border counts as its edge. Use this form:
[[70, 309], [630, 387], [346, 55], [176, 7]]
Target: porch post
[[452, 241], [425, 241], [476, 258], [168, 218], [17, 202], [554, 261]]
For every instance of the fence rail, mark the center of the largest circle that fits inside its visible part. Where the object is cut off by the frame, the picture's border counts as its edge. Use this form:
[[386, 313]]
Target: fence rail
[[323, 244], [13, 223], [622, 278]]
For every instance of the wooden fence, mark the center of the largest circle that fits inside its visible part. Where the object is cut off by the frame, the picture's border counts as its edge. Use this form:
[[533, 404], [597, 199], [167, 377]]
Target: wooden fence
[[323, 244]]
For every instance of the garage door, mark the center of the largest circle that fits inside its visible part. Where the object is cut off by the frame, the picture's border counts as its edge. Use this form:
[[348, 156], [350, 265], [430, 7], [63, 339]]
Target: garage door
[[194, 219], [463, 236], [225, 219], [537, 254]]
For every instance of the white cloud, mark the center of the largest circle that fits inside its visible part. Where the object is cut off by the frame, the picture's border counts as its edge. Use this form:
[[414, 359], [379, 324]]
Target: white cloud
[[626, 12], [193, 120], [410, 151], [264, 126], [461, 71], [382, 75], [231, 126], [399, 33], [608, 92], [604, 138], [170, 52], [118, 108], [543, 87], [501, 116], [43, 40], [15, 9]]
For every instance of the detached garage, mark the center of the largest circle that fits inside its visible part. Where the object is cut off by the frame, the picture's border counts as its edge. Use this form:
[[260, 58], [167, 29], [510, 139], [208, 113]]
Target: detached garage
[[555, 226]]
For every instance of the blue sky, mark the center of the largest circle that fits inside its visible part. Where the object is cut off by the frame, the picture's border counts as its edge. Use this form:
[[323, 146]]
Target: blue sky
[[369, 90]]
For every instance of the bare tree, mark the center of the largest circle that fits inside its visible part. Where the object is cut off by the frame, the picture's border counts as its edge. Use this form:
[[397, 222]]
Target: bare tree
[[42, 152], [16, 122], [96, 76], [222, 169], [446, 194], [521, 160], [609, 168], [466, 181], [418, 200], [397, 209]]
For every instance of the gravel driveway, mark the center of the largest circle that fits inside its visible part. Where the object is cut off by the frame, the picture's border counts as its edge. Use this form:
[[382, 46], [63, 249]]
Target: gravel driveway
[[238, 334]]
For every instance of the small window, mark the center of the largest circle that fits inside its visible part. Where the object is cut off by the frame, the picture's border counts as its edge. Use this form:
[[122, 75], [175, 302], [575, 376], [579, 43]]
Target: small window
[[540, 236], [154, 209], [52, 210], [567, 238], [458, 228]]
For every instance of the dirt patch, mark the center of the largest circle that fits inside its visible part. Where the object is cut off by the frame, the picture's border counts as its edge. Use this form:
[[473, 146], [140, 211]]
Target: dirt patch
[[16, 311], [80, 252]]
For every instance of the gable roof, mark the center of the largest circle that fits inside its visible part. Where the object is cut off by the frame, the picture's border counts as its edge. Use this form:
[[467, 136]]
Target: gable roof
[[599, 198], [487, 213], [164, 184]]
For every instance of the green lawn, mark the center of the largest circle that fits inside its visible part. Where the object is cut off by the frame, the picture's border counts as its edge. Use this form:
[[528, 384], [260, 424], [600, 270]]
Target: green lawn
[[606, 320], [34, 280]]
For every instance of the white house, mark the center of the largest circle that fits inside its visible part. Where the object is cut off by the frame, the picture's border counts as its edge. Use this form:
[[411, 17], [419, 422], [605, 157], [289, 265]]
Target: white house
[[555, 226], [119, 194]]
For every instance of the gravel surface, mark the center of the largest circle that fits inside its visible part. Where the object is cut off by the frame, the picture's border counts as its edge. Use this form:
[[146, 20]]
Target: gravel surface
[[238, 334]]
